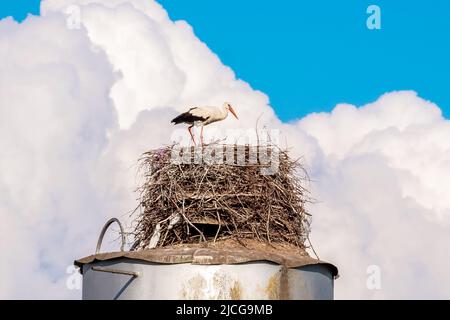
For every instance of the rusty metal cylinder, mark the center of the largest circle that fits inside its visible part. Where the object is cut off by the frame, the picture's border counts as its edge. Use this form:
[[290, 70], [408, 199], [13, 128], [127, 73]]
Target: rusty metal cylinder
[[192, 273], [223, 270]]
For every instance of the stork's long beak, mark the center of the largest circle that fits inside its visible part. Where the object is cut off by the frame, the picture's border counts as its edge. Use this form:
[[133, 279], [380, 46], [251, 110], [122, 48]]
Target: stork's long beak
[[234, 113]]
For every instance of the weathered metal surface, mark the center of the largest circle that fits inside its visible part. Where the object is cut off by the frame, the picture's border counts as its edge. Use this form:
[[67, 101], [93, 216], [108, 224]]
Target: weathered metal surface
[[224, 270], [210, 256], [250, 280]]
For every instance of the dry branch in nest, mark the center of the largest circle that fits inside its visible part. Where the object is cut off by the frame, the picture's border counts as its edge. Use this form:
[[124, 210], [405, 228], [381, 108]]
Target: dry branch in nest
[[191, 201]]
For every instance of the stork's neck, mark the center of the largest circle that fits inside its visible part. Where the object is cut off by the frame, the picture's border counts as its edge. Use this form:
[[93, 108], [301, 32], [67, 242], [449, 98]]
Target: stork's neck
[[223, 111]]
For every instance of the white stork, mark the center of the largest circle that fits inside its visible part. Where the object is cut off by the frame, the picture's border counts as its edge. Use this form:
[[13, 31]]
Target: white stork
[[202, 116]]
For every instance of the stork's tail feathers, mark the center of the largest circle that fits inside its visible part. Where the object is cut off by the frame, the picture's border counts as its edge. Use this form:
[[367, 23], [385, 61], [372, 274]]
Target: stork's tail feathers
[[180, 118], [176, 120], [187, 118]]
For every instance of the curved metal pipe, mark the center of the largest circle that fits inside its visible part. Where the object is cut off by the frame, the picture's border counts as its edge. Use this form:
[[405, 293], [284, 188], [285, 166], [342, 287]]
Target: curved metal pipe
[[102, 234]]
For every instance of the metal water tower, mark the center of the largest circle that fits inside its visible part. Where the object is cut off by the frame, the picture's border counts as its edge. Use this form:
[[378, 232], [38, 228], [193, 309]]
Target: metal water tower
[[192, 272]]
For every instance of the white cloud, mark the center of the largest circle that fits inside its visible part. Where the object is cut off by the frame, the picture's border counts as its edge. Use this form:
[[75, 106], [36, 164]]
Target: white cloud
[[384, 191], [162, 63], [54, 117], [78, 106]]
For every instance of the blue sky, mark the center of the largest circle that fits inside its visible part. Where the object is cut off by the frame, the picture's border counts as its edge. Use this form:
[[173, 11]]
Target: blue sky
[[309, 56]]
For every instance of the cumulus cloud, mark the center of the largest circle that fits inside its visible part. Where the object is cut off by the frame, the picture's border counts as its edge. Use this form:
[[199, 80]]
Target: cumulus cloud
[[162, 63], [79, 105], [55, 114], [383, 190]]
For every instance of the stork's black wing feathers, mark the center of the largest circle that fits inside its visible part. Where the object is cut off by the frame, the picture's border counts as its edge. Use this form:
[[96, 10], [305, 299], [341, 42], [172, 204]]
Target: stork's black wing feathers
[[188, 117]]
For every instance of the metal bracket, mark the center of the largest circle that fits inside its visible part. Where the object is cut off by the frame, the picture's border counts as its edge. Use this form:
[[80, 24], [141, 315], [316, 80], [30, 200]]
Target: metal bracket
[[116, 271], [102, 234]]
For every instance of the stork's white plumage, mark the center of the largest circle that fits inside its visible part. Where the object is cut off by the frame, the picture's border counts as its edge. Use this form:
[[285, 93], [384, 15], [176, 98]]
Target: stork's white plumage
[[202, 116]]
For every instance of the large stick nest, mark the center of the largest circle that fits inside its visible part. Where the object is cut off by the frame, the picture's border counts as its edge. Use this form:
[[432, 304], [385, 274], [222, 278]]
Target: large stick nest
[[185, 203]]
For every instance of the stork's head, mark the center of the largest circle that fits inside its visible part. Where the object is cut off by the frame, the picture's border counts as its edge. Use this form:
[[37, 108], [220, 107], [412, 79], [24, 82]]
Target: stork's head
[[228, 106]]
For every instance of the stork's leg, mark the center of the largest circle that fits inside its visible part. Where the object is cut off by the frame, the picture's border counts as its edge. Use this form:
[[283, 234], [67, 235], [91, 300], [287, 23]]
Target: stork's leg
[[190, 132], [201, 135]]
